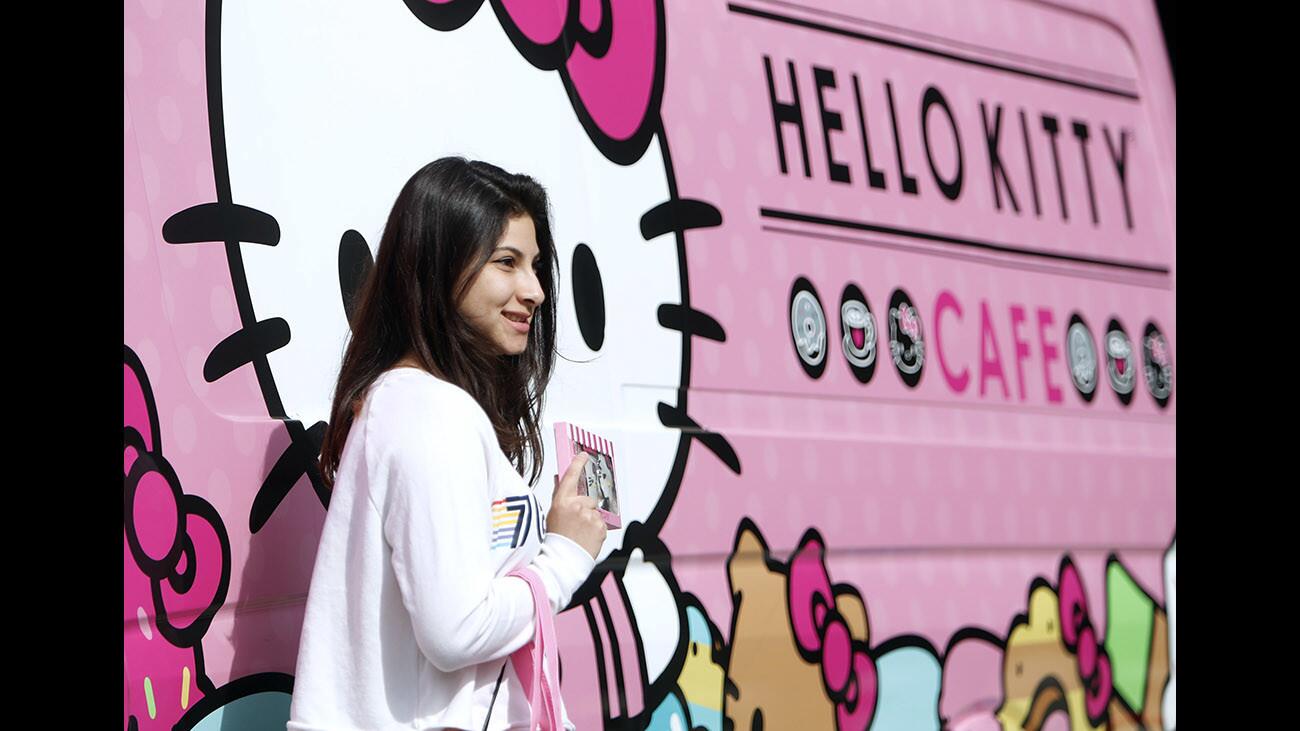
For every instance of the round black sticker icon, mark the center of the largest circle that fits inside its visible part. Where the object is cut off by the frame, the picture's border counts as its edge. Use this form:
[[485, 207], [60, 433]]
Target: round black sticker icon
[[1082, 357], [858, 333], [1157, 365], [906, 339], [808, 327], [1121, 369]]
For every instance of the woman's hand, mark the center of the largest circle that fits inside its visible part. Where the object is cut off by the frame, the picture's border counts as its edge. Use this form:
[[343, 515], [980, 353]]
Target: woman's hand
[[574, 516]]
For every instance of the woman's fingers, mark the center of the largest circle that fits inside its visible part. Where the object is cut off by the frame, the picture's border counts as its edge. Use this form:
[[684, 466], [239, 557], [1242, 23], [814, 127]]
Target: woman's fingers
[[568, 484], [575, 516]]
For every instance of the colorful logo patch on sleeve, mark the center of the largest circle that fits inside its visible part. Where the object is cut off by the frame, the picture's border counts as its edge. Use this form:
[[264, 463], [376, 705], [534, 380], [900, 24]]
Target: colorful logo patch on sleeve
[[510, 519]]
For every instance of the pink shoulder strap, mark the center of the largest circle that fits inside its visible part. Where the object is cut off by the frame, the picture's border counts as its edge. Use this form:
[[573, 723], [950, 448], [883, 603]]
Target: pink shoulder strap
[[544, 698]]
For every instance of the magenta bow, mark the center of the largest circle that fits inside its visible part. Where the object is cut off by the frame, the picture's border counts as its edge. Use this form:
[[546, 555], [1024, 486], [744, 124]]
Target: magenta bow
[[1080, 638], [175, 539], [609, 53], [823, 637]]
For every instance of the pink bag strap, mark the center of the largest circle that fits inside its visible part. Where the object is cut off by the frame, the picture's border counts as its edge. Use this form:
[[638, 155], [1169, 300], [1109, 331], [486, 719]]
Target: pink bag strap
[[544, 698]]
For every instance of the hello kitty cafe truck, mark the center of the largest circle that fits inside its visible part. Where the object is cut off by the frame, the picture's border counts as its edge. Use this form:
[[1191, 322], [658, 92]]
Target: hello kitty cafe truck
[[875, 302]]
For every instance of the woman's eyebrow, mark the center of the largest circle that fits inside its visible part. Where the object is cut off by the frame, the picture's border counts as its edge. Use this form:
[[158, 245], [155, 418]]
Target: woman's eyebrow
[[516, 252]]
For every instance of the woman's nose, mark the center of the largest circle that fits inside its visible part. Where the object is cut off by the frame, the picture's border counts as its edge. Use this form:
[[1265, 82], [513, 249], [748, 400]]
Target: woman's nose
[[532, 291]]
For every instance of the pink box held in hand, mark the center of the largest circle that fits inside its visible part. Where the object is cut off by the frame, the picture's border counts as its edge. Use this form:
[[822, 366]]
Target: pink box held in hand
[[598, 475]]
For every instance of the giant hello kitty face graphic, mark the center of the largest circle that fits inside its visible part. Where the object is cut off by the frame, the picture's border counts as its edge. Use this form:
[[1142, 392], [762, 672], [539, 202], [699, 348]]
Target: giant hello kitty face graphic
[[329, 108]]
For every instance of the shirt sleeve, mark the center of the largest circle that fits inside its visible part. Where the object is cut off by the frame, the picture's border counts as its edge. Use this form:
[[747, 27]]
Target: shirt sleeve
[[562, 565], [437, 520]]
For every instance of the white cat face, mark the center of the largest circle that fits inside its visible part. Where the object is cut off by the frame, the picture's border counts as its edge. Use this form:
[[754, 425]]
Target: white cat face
[[329, 108]]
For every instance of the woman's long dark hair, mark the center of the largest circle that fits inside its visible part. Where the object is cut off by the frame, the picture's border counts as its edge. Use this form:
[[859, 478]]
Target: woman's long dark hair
[[442, 230]]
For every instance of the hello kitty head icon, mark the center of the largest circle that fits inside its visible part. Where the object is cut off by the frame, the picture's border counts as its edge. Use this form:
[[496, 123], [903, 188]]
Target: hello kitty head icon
[[325, 110]]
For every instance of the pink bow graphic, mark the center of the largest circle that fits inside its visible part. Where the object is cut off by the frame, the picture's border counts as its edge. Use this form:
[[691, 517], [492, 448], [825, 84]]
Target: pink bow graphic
[[609, 53], [823, 636], [176, 568], [1080, 638]]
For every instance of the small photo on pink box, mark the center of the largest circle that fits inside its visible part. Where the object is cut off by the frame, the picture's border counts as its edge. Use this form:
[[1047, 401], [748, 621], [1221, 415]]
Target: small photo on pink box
[[598, 475]]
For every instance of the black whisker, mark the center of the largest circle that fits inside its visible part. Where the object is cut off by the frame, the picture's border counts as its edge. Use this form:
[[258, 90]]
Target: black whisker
[[691, 321], [679, 214], [316, 436], [245, 345], [674, 418], [297, 460], [221, 222]]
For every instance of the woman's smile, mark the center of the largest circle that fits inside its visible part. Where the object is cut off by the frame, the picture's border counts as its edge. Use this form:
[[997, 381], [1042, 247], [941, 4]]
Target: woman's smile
[[517, 321]]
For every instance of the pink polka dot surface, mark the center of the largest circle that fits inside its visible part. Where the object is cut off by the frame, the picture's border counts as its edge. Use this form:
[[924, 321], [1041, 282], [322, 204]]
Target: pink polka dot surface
[[185, 433], [726, 151], [169, 119], [222, 306], [132, 55], [135, 235], [189, 61]]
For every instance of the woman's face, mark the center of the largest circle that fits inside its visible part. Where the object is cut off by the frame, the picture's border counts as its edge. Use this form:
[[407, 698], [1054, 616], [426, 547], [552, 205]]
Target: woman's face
[[503, 295]]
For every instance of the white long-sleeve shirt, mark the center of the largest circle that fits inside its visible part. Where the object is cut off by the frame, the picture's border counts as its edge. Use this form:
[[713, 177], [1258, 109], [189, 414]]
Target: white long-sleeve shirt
[[410, 615]]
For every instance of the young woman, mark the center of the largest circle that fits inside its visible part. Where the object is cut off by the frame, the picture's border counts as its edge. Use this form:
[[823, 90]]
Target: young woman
[[411, 617]]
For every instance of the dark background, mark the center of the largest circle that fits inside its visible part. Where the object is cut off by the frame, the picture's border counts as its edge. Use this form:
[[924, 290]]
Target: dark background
[[1166, 10]]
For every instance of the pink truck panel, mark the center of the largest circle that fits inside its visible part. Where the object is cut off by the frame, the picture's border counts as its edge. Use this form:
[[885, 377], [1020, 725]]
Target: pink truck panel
[[876, 302]]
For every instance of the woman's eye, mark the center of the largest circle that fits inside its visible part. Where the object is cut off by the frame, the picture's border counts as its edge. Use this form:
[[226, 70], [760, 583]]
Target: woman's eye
[[508, 261]]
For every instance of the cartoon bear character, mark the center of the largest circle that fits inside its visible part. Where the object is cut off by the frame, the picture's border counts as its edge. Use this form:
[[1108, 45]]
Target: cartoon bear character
[[1055, 662], [1039, 675], [798, 656]]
